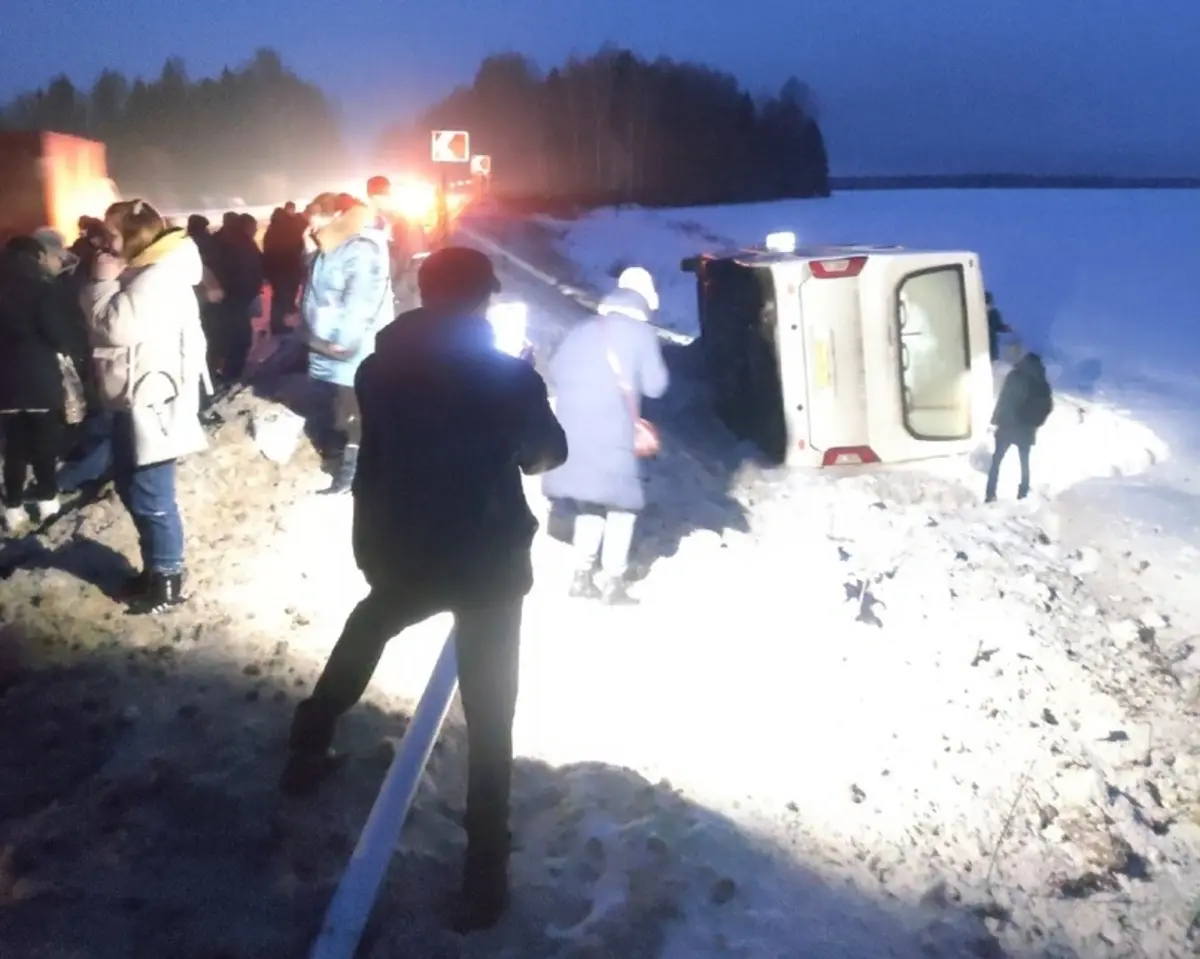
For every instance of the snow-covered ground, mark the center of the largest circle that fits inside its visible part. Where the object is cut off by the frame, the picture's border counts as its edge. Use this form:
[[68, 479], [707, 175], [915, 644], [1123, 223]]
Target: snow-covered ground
[[851, 718], [1002, 656]]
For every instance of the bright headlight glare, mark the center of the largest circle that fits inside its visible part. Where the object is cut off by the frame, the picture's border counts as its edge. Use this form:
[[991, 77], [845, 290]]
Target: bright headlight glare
[[510, 321]]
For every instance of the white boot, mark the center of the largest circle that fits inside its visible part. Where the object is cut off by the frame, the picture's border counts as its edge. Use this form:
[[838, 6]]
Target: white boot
[[47, 509], [15, 519]]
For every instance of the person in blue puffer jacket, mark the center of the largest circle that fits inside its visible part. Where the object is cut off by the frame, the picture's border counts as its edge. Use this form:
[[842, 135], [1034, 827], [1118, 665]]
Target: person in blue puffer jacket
[[347, 299]]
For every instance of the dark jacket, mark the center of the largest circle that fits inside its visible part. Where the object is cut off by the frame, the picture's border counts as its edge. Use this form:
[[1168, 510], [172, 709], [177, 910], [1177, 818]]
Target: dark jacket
[[239, 268], [449, 425], [38, 321], [1025, 401], [283, 249]]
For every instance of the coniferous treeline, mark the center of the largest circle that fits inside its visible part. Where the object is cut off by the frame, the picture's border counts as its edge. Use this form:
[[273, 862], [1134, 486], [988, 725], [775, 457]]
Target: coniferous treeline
[[258, 132], [611, 128], [616, 128]]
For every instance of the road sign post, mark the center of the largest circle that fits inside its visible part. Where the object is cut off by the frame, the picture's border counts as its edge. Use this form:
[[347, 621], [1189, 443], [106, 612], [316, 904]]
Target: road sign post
[[481, 174], [448, 146]]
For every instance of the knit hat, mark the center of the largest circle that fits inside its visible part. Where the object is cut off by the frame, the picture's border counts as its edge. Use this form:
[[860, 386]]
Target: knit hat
[[639, 280]]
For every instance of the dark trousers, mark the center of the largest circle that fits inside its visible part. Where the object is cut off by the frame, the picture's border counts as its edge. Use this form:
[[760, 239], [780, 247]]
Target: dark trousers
[[211, 318], [1003, 442], [334, 418], [237, 330], [283, 302], [31, 440], [488, 638], [148, 493]]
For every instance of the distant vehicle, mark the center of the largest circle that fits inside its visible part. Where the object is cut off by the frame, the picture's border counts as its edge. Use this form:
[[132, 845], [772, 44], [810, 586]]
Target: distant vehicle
[[51, 179], [844, 355]]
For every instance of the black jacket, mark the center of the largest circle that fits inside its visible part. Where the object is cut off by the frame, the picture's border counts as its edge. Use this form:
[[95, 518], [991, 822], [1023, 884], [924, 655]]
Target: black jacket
[[1025, 401], [283, 249], [239, 268], [38, 321], [449, 425]]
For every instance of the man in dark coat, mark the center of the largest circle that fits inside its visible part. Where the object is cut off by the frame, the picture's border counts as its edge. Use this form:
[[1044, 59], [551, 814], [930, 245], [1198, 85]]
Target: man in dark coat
[[1024, 405], [441, 523], [283, 265], [36, 327]]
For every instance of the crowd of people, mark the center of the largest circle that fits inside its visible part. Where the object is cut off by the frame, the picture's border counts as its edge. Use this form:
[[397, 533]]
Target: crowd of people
[[429, 424]]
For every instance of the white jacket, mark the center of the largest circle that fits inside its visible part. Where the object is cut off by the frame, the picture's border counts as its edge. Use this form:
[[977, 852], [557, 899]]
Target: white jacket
[[149, 350]]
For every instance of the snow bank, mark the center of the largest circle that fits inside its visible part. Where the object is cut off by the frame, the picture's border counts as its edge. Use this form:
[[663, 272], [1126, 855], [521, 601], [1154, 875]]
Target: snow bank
[[1112, 311], [1083, 440], [1099, 280]]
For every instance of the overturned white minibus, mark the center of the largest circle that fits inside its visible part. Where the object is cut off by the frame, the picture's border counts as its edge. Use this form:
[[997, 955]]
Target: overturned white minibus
[[846, 355]]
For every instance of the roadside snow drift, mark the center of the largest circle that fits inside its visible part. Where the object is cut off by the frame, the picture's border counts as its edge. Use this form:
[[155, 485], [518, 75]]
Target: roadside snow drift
[[1111, 308]]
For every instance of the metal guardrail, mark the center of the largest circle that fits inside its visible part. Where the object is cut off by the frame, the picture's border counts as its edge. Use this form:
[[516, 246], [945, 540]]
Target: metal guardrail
[[346, 917]]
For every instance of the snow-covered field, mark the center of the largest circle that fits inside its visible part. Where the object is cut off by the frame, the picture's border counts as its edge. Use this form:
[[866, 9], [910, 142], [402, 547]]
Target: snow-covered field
[[851, 718], [974, 621]]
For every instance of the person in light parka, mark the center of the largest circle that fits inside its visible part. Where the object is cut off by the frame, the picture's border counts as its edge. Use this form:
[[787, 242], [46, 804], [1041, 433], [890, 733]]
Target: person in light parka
[[347, 299]]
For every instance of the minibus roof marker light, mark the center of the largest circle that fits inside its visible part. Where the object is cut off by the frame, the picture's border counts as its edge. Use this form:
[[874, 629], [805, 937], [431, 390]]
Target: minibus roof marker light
[[782, 242]]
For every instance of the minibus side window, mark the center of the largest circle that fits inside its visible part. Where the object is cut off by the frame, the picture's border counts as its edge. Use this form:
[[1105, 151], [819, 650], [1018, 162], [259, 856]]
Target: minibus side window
[[935, 357]]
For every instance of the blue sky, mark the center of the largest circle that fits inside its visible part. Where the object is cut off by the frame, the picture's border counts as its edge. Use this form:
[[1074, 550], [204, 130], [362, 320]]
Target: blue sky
[[911, 86]]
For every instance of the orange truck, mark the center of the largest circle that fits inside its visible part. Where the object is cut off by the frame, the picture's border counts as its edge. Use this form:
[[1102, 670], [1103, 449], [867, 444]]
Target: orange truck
[[50, 179]]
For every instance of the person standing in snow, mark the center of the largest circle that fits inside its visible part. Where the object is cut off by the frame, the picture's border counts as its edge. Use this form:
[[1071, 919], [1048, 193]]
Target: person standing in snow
[[149, 358], [283, 264], [449, 424], [599, 374], [37, 327], [1024, 405], [996, 326], [239, 272], [347, 299]]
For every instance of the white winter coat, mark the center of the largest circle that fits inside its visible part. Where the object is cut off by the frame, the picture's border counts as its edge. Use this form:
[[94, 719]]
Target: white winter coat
[[149, 350]]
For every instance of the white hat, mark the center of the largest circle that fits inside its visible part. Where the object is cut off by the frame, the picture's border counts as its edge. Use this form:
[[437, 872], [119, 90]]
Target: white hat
[[639, 280]]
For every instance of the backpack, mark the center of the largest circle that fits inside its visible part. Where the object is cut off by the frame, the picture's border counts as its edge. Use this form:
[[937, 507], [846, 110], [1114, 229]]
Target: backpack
[[1037, 404]]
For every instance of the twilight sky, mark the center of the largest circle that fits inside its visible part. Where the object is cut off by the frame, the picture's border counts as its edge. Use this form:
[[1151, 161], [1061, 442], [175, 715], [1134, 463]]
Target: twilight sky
[[908, 86]]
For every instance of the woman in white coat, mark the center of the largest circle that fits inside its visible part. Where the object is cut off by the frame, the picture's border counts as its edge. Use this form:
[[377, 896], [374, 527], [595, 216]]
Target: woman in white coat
[[149, 355]]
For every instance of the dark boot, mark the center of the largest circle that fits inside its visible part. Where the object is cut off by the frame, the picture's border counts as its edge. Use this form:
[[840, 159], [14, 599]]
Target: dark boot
[[583, 586], [164, 592], [343, 479], [483, 898], [311, 759], [133, 587], [305, 772]]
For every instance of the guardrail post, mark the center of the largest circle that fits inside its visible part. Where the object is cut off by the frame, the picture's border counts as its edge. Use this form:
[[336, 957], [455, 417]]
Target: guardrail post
[[347, 915]]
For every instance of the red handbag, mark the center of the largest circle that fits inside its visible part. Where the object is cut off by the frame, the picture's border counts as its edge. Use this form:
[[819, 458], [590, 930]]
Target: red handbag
[[646, 439]]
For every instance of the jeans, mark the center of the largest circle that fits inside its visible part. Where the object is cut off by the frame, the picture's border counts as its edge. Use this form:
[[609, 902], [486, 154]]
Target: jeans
[[148, 494], [96, 459], [604, 535], [1003, 442], [31, 440], [487, 644]]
